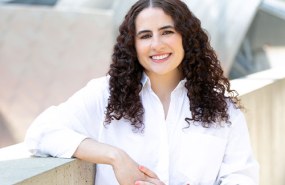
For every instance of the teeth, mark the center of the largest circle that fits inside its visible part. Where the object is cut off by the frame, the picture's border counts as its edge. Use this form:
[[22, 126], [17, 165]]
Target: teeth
[[159, 57]]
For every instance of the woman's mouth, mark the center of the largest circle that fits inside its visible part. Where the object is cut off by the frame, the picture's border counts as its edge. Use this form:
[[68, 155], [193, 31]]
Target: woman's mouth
[[160, 58]]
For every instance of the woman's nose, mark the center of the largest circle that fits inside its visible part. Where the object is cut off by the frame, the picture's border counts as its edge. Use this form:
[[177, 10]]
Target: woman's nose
[[156, 43]]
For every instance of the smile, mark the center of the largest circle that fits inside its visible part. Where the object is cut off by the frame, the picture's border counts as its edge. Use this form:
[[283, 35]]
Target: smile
[[160, 57]]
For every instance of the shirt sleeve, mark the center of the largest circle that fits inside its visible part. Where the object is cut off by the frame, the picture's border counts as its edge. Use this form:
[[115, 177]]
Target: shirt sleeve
[[239, 166], [60, 129]]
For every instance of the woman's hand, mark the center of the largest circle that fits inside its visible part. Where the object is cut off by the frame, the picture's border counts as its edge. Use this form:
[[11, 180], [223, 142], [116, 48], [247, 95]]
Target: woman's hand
[[126, 169], [151, 179]]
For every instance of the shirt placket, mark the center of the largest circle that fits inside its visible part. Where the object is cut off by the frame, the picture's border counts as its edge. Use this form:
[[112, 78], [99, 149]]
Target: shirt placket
[[163, 164]]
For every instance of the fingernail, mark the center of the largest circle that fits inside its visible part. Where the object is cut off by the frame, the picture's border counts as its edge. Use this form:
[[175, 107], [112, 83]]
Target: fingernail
[[140, 167], [137, 183]]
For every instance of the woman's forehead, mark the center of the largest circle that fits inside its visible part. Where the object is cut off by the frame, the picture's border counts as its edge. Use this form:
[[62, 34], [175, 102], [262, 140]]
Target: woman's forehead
[[152, 17]]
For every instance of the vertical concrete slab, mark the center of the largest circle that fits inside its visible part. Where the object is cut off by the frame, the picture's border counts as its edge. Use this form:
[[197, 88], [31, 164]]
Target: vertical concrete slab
[[46, 55]]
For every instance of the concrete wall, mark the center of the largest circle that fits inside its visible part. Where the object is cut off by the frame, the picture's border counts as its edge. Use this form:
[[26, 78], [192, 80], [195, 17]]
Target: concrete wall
[[45, 56], [263, 95]]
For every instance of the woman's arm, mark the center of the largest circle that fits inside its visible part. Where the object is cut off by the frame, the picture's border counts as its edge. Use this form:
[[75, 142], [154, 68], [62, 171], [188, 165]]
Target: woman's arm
[[65, 130], [126, 169]]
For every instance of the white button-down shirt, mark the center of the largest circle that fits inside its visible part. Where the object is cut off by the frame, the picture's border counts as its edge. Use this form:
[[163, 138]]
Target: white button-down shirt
[[177, 154]]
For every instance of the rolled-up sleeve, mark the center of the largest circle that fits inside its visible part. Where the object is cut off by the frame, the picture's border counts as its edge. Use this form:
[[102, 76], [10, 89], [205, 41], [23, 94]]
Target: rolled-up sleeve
[[239, 166], [48, 136], [60, 129]]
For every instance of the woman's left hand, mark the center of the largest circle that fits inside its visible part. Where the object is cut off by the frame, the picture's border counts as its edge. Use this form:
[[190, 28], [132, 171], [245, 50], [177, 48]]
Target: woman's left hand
[[152, 178]]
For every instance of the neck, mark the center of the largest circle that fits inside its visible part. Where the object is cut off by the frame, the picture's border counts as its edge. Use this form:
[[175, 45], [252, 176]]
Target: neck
[[163, 85]]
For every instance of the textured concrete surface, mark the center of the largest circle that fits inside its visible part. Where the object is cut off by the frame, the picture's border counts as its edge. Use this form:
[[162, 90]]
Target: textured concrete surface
[[45, 56], [19, 168], [263, 95]]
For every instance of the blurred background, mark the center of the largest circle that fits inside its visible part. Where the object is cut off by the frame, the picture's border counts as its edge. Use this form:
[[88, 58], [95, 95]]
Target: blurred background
[[49, 49]]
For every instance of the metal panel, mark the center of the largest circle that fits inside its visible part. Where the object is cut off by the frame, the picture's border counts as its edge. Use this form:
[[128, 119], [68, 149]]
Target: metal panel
[[227, 23]]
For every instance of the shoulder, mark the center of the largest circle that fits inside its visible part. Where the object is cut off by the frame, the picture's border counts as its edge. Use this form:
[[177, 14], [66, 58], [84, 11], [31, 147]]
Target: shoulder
[[237, 118], [98, 85], [102, 82], [96, 89], [233, 111]]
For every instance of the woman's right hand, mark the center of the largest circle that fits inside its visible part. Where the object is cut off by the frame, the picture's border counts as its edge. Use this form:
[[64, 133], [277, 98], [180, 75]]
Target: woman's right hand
[[152, 178], [126, 169]]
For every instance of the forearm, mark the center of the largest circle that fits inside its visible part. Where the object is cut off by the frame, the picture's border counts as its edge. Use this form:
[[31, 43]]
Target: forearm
[[125, 168], [96, 152]]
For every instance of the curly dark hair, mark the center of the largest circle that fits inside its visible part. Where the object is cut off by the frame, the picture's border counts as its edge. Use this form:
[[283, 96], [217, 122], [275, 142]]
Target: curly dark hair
[[208, 90]]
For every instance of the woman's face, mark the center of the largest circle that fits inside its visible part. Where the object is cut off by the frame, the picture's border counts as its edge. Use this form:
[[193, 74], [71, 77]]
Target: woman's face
[[158, 45]]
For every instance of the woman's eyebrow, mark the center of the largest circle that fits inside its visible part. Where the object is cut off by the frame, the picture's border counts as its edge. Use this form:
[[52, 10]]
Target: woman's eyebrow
[[166, 27], [143, 31], [161, 28]]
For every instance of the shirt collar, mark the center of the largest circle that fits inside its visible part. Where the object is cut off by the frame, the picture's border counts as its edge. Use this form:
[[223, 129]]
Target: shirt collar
[[144, 79]]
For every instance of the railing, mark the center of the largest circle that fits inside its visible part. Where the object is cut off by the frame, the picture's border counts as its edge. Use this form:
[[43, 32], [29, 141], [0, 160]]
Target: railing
[[263, 95]]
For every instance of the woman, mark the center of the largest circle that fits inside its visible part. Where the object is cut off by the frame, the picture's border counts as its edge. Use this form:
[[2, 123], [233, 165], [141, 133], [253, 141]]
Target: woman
[[165, 114]]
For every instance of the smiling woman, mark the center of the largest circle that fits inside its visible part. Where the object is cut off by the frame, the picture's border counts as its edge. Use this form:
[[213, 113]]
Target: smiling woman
[[159, 50], [164, 114]]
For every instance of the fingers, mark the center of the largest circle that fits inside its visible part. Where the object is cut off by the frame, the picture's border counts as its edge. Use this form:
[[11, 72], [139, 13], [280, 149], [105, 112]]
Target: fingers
[[148, 172], [154, 182], [142, 183], [152, 178]]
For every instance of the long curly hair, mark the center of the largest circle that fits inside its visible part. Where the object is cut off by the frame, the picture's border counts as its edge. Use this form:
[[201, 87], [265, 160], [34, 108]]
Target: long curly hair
[[207, 89]]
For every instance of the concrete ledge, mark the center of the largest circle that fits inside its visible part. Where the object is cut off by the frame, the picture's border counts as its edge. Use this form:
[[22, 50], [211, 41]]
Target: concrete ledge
[[257, 81], [22, 169]]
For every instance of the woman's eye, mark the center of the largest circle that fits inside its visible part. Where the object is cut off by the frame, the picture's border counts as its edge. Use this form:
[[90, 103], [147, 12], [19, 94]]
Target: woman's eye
[[145, 36], [167, 32]]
